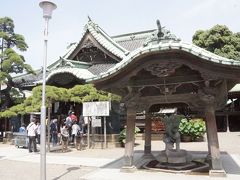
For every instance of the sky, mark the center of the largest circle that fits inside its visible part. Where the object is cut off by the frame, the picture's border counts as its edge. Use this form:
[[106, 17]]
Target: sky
[[115, 17]]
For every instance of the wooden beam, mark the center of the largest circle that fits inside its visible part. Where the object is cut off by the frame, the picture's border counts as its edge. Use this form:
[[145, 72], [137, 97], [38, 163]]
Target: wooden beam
[[162, 99], [165, 81]]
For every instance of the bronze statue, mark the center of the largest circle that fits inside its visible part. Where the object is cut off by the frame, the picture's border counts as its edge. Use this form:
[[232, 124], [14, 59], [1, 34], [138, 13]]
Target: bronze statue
[[172, 135]]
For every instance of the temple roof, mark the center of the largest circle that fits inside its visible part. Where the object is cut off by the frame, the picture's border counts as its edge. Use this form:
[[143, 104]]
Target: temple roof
[[164, 46], [102, 38], [77, 72], [132, 41], [125, 48]]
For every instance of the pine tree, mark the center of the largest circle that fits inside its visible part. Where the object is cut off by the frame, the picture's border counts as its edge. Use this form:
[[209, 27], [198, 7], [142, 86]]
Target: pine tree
[[11, 63]]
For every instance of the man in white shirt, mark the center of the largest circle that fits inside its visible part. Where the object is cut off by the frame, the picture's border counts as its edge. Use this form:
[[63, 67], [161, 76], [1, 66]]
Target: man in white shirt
[[31, 131]]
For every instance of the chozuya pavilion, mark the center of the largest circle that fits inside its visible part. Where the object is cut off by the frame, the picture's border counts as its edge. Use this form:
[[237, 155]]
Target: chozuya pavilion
[[149, 68]]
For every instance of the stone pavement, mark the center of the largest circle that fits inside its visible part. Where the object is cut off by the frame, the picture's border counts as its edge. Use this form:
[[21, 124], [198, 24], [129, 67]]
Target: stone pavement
[[105, 164]]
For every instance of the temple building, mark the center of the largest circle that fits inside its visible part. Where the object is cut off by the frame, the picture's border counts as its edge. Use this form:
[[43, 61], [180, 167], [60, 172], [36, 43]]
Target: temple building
[[97, 53], [151, 70]]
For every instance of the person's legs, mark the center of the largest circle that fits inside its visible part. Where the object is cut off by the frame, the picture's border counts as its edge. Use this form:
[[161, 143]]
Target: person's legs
[[66, 145], [63, 145], [77, 143], [30, 144], [54, 139], [73, 137], [34, 144], [38, 138]]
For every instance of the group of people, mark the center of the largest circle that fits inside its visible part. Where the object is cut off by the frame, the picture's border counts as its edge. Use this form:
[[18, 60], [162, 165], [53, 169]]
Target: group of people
[[72, 131], [33, 132]]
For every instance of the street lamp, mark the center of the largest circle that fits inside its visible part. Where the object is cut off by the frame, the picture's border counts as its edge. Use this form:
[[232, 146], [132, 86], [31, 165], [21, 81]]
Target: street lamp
[[47, 7]]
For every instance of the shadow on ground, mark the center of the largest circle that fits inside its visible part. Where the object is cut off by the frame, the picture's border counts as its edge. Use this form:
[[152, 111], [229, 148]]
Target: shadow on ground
[[68, 171], [229, 164]]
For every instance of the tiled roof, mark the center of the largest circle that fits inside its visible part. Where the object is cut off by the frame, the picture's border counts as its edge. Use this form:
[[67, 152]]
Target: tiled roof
[[187, 47], [133, 41], [102, 38], [31, 79], [28, 79], [96, 69], [77, 72], [105, 40]]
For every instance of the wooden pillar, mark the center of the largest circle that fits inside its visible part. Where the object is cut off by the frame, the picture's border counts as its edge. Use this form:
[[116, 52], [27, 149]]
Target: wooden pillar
[[148, 134], [130, 136], [215, 161]]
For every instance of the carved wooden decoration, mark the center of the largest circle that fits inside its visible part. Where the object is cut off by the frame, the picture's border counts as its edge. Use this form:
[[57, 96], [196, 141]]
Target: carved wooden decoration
[[162, 69]]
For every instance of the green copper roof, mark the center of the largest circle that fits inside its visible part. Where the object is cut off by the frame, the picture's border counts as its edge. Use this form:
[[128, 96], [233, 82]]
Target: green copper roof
[[102, 38], [105, 40], [162, 46], [69, 63], [77, 72]]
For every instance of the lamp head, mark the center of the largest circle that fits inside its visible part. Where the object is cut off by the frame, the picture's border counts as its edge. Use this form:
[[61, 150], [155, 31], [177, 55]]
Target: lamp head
[[47, 7]]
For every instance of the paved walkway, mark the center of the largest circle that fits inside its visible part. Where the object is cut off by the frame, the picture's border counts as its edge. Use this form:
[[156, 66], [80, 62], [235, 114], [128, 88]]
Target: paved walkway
[[105, 164]]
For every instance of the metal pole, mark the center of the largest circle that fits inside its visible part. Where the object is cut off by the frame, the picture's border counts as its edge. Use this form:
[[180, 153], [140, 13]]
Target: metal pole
[[43, 108], [1, 71], [88, 133], [105, 133]]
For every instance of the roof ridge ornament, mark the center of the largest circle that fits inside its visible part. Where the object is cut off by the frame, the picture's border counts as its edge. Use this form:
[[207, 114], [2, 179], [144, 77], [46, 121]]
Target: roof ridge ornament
[[89, 19], [161, 35], [91, 24], [64, 63]]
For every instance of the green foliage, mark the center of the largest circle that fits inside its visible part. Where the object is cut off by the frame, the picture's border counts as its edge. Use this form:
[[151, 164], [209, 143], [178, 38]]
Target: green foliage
[[193, 127], [18, 109], [88, 93], [185, 127], [8, 114], [12, 62], [219, 40], [198, 127], [122, 134], [79, 94]]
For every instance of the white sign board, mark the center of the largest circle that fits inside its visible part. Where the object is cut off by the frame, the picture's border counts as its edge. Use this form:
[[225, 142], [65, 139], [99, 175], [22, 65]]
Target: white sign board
[[100, 108], [96, 122]]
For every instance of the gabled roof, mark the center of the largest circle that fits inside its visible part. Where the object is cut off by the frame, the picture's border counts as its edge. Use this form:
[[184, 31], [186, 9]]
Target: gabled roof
[[132, 41], [102, 38]]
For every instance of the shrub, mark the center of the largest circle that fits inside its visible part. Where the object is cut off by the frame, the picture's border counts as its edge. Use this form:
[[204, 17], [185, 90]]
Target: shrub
[[185, 127], [194, 127], [122, 135], [198, 127]]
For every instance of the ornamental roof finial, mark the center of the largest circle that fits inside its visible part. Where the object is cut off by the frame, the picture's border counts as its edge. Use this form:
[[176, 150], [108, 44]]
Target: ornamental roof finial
[[89, 19], [160, 33]]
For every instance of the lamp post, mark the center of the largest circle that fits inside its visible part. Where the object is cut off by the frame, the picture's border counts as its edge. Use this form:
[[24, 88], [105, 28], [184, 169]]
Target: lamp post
[[47, 7]]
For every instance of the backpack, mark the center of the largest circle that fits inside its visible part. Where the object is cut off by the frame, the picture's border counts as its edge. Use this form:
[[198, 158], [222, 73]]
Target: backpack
[[78, 133]]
